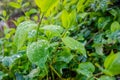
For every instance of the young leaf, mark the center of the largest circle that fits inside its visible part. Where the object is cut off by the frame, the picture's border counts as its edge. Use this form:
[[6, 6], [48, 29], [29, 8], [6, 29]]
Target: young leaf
[[15, 5], [80, 5], [72, 17], [65, 19], [68, 19], [115, 26], [112, 64], [54, 30], [74, 44], [45, 5], [38, 53], [22, 32], [86, 69]]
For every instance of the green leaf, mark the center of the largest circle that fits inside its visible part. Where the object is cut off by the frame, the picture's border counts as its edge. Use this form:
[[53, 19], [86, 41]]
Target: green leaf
[[52, 30], [19, 1], [22, 32], [38, 53], [34, 73], [2, 75], [15, 5], [59, 66], [74, 44], [72, 17], [80, 5], [112, 64], [115, 26], [4, 13], [98, 48], [65, 19], [46, 5], [104, 77], [68, 19], [86, 69], [9, 60], [65, 56], [83, 15]]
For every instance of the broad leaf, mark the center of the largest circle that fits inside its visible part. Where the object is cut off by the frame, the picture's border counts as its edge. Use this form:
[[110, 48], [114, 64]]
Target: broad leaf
[[45, 5], [86, 69], [38, 53], [74, 44], [22, 32], [112, 64], [115, 26]]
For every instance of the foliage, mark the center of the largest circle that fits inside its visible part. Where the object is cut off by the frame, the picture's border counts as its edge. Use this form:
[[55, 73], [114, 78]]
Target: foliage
[[61, 40]]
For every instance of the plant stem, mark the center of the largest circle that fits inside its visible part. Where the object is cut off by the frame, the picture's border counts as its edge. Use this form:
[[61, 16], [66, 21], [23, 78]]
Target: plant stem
[[39, 26], [52, 68]]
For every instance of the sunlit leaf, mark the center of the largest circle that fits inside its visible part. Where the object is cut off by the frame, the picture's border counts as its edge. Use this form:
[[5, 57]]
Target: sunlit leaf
[[112, 64], [74, 44], [45, 5], [15, 5], [115, 26], [22, 32]]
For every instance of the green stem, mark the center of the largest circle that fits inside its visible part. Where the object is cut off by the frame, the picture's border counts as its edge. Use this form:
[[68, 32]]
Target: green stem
[[64, 33], [52, 68], [53, 78], [39, 26]]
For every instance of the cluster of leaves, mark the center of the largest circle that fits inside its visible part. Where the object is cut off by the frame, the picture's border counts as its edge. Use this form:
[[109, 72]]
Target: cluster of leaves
[[64, 40]]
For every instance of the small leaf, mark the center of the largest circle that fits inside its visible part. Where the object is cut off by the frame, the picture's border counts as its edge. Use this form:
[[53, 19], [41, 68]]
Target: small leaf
[[72, 17], [112, 64], [22, 32], [80, 5], [74, 44], [38, 53], [65, 19], [68, 19], [59, 66], [54, 30], [4, 13], [8, 61], [65, 56], [15, 5], [115, 26], [83, 15], [45, 5], [86, 69], [104, 77], [98, 48], [34, 73]]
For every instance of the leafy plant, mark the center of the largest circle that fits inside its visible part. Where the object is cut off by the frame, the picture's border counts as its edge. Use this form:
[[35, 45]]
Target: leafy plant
[[62, 40]]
